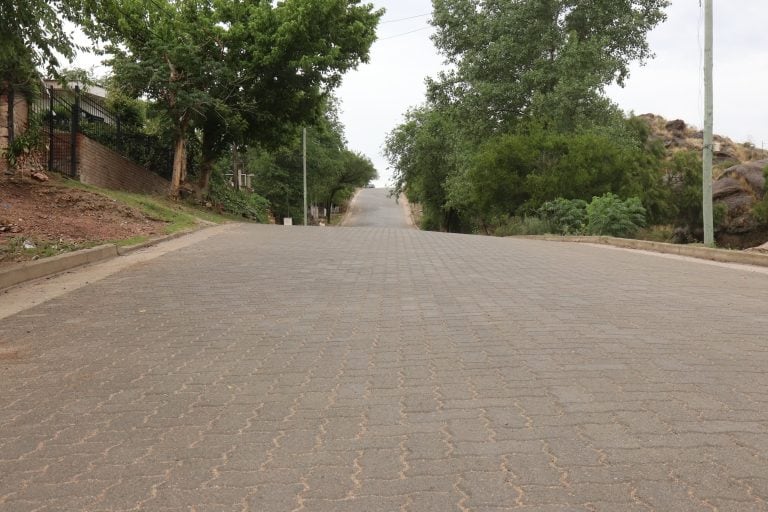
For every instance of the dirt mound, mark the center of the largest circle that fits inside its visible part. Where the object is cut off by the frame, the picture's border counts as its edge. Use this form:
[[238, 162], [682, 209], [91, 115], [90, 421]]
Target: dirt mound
[[53, 216]]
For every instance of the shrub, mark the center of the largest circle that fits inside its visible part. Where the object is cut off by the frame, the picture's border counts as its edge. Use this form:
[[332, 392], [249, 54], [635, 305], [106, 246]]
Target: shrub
[[657, 233], [566, 216], [610, 215], [521, 226], [238, 202]]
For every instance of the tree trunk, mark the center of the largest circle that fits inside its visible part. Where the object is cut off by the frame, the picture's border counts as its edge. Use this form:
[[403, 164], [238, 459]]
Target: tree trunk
[[207, 160], [206, 170], [179, 159], [330, 204]]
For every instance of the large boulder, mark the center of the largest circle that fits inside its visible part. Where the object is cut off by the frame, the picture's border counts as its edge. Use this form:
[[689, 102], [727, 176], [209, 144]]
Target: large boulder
[[738, 189], [678, 125]]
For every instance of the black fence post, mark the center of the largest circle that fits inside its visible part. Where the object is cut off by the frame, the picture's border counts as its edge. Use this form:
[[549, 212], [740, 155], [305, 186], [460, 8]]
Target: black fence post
[[51, 147], [11, 107], [119, 142], [75, 128]]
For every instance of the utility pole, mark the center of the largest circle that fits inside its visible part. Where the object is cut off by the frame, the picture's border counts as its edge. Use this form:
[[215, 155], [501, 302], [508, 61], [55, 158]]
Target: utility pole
[[304, 158], [709, 237], [235, 168]]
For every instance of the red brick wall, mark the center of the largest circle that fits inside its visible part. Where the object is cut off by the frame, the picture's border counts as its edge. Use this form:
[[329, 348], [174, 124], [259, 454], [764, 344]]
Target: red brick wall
[[101, 167]]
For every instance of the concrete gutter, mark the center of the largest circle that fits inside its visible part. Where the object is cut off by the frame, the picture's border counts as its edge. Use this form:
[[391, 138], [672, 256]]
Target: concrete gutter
[[704, 253], [350, 207], [30, 270], [407, 210]]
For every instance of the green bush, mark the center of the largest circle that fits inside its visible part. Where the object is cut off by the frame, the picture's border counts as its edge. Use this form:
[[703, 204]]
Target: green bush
[[238, 202], [611, 216], [566, 216], [25, 144], [760, 208]]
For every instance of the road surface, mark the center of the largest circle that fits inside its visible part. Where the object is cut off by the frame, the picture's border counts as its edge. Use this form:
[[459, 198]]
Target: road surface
[[271, 368], [373, 207]]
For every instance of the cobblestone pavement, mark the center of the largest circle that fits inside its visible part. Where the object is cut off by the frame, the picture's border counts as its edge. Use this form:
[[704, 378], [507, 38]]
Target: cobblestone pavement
[[364, 369], [373, 207]]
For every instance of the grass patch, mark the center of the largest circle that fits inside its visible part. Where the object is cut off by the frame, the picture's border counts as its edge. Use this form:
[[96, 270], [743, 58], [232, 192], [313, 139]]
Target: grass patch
[[15, 249], [664, 234], [127, 242], [178, 215]]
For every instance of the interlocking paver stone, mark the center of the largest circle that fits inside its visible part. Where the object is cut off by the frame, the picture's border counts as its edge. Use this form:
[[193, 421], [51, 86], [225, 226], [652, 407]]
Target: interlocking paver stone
[[372, 369]]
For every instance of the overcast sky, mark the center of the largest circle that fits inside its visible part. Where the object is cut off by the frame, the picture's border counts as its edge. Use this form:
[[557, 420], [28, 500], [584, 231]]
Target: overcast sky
[[376, 95]]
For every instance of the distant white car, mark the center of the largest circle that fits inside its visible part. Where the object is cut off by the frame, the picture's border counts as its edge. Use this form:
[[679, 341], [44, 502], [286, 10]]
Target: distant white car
[[370, 185]]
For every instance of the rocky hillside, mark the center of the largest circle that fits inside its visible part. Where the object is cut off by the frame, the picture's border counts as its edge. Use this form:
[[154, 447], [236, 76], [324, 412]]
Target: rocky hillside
[[679, 136], [739, 180]]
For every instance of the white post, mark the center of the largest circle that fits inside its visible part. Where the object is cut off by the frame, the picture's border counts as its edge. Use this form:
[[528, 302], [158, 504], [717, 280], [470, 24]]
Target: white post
[[709, 237]]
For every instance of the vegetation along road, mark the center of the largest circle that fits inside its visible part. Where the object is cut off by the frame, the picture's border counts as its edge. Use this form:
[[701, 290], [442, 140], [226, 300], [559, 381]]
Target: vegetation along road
[[385, 370]]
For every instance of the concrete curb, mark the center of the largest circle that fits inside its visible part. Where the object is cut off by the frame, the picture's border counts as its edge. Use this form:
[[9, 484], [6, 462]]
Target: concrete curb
[[704, 253], [128, 249], [30, 270], [408, 211], [348, 213]]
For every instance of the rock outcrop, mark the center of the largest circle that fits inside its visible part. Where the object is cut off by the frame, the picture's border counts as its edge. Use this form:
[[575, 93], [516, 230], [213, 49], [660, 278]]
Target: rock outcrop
[[676, 136], [739, 188]]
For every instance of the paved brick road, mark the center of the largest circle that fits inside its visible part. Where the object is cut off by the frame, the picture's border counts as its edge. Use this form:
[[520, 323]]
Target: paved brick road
[[363, 369]]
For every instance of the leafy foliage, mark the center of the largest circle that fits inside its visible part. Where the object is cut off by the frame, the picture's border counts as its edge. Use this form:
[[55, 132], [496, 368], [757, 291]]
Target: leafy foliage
[[516, 173], [237, 202], [33, 36], [683, 177], [567, 216], [234, 71], [333, 172], [609, 215], [423, 153], [520, 119], [760, 208], [546, 60]]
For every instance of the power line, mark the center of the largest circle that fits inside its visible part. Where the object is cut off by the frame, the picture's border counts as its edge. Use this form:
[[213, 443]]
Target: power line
[[404, 19], [405, 33]]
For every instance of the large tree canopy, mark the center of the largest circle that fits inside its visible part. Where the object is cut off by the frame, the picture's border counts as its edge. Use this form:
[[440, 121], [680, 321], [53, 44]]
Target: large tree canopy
[[520, 116], [32, 35], [539, 57], [333, 171], [233, 70]]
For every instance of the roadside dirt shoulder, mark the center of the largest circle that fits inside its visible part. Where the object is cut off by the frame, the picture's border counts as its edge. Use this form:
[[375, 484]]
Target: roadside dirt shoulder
[[45, 219]]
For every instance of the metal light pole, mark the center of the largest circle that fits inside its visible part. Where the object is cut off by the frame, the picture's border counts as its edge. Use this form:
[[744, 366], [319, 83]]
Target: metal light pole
[[709, 237], [304, 158]]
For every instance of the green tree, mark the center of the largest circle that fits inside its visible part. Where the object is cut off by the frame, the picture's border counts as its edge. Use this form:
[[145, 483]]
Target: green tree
[[352, 171], [546, 59], [516, 173], [282, 61], [424, 152], [32, 36], [567, 216], [333, 171], [611, 216], [230, 71]]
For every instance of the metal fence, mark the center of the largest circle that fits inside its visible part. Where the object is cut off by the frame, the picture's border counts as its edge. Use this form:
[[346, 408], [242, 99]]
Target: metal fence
[[63, 114]]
